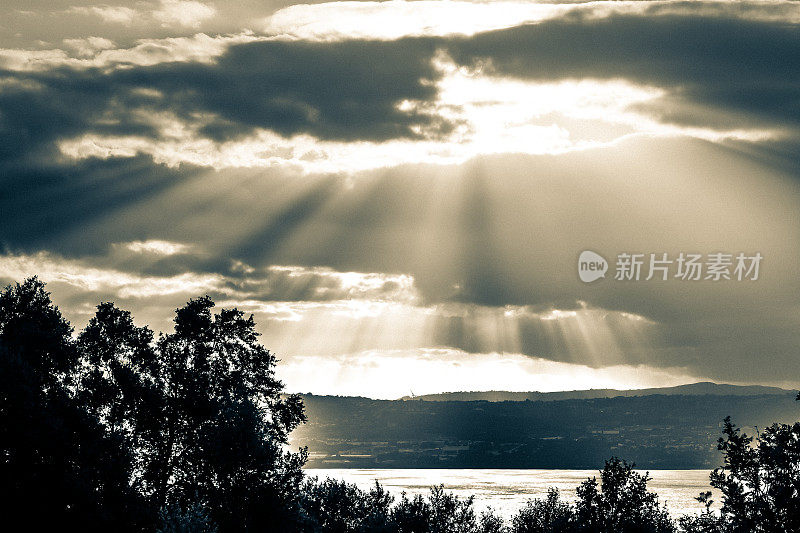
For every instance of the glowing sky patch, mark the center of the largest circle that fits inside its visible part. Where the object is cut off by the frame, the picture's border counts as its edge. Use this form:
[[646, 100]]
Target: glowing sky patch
[[391, 375], [494, 115], [157, 247], [393, 19]]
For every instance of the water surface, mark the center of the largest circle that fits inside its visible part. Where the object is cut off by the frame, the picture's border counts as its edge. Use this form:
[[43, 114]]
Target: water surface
[[506, 491]]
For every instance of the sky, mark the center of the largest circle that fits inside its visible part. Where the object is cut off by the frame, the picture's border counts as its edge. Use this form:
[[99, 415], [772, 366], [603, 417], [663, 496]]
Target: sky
[[400, 191]]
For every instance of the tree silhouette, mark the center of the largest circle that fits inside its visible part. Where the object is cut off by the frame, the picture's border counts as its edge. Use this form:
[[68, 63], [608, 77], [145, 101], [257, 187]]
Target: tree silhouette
[[224, 421], [550, 515], [760, 484], [117, 430], [622, 503], [59, 470], [104, 431], [200, 410], [116, 386]]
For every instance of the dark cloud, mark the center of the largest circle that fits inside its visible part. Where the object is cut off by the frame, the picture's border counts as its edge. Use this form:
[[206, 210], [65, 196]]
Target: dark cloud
[[745, 66], [563, 343], [354, 87], [38, 109], [718, 73], [344, 91], [496, 231], [41, 202], [780, 155], [341, 91]]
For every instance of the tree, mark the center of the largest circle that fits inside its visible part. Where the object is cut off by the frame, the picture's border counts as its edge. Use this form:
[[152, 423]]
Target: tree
[[491, 523], [173, 519], [224, 423], [450, 514], [35, 334], [117, 385], [334, 506], [58, 469], [706, 522], [100, 432], [550, 515], [441, 512], [760, 483], [622, 504]]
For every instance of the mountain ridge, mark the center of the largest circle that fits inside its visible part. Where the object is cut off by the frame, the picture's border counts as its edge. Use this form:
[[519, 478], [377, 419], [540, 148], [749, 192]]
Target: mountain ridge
[[702, 388]]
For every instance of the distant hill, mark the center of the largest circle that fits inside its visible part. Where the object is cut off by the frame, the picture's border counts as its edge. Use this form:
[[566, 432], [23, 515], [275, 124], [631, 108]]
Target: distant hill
[[674, 427], [705, 388]]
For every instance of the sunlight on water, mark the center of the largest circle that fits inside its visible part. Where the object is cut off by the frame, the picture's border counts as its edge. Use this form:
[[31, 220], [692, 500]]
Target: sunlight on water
[[506, 491]]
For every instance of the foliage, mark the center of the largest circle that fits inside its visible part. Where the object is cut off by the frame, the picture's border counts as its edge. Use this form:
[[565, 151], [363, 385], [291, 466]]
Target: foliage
[[490, 523], [760, 483], [550, 515], [623, 505], [116, 429], [339, 507], [705, 522], [103, 431], [223, 421], [58, 469], [622, 502], [333, 506], [195, 519]]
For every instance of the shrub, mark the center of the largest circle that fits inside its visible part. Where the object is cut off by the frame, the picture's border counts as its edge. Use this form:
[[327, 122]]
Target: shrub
[[622, 504], [760, 483], [550, 515], [173, 519]]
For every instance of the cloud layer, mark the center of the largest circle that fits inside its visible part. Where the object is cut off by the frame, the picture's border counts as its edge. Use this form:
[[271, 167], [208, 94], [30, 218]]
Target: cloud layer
[[372, 186]]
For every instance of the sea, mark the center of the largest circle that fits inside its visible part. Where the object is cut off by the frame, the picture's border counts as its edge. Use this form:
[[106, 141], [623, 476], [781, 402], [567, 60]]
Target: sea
[[507, 491]]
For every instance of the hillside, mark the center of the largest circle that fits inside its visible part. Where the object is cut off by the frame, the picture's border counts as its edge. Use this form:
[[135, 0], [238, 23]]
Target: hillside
[[693, 389], [673, 431]]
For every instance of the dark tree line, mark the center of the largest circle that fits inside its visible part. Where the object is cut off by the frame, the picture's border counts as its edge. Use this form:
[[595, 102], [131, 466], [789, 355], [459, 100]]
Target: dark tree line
[[116, 429]]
